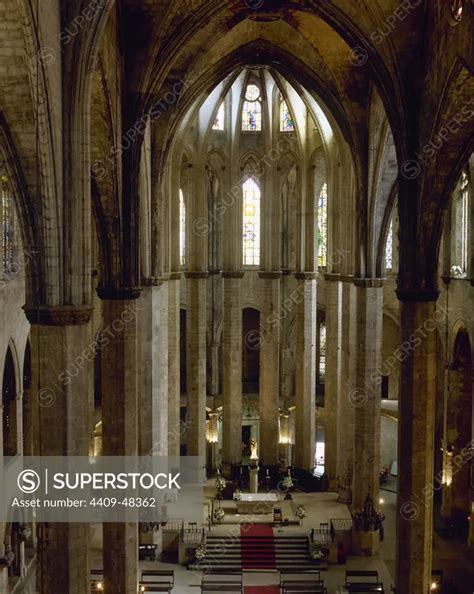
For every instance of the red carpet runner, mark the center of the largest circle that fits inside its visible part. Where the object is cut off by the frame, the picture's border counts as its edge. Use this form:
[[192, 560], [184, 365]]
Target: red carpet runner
[[262, 590], [257, 548]]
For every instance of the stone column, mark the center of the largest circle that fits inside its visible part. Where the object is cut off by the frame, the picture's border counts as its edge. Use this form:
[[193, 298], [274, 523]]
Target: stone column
[[365, 397], [345, 417], [120, 428], [232, 369], [269, 367], [196, 365], [415, 442], [305, 380], [61, 397], [333, 289], [153, 378], [174, 388]]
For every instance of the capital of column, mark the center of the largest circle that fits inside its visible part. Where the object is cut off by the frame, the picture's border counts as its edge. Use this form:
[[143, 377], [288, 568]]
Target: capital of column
[[196, 274], [369, 283], [332, 276], [270, 274], [417, 295], [175, 275], [58, 315], [338, 277], [232, 274], [118, 293], [306, 275], [214, 271], [153, 281]]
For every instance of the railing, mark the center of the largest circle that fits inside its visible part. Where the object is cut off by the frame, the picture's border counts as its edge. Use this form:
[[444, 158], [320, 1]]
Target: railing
[[193, 536], [174, 526]]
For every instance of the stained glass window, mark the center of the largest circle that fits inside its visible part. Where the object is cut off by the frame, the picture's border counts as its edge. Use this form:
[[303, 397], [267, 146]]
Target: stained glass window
[[182, 229], [322, 352], [389, 248], [252, 110], [251, 223], [323, 226], [219, 119], [464, 206], [286, 121], [7, 226]]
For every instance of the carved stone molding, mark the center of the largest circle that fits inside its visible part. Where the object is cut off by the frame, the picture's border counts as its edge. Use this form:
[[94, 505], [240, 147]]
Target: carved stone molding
[[369, 283], [270, 275], [118, 293], [417, 295], [306, 275], [230, 274], [61, 315], [196, 274]]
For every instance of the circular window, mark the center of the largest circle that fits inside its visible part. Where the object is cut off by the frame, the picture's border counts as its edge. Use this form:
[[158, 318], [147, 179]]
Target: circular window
[[457, 9], [252, 93]]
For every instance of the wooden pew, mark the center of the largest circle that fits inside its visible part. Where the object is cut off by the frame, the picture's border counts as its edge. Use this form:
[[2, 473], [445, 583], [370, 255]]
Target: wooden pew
[[363, 582], [365, 577], [211, 583], [158, 575], [367, 588], [309, 574], [303, 587], [155, 587]]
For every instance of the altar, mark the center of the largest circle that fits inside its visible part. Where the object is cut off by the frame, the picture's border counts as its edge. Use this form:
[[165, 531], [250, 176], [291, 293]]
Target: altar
[[256, 503]]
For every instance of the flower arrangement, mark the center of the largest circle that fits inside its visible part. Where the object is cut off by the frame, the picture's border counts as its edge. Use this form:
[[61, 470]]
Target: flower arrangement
[[200, 552], [237, 495], [287, 482], [300, 512], [220, 484], [317, 554], [369, 518], [219, 514]]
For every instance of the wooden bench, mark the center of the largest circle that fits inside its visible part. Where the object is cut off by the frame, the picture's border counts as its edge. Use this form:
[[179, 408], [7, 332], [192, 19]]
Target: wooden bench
[[221, 587], [219, 584], [367, 588], [158, 575], [155, 587], [303, 586], [358, 577], [309, 574]]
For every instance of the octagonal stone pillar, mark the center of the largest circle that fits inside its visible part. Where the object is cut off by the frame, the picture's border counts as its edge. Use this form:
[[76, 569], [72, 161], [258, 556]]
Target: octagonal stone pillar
[[416, 441], [120, 426], [61, 399], [365, 397]]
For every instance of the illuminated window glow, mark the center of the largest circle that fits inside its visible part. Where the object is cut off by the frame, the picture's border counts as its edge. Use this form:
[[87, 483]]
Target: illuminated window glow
[[464, 207], [322, 236], [251, 223], [219, 120], [322, 353], [286, 121], [252, 110], [389, 248], [8, 231], [182, 229]]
